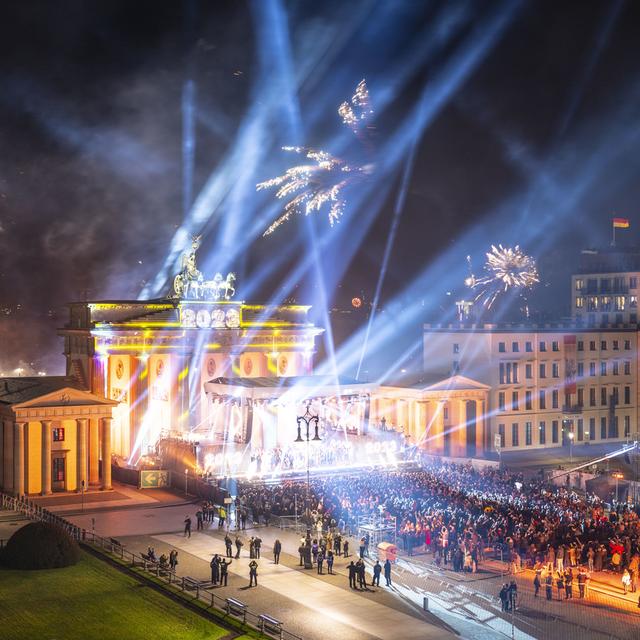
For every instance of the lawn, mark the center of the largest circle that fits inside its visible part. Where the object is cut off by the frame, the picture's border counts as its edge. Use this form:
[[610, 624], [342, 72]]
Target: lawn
[[92, 601]]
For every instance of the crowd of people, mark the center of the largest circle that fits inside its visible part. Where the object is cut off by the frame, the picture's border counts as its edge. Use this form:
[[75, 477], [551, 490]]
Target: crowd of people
[[456, 512]]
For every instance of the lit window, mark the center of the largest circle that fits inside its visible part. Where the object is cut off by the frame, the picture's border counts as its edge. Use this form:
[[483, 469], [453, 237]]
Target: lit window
[[579, 302], [58, 435]]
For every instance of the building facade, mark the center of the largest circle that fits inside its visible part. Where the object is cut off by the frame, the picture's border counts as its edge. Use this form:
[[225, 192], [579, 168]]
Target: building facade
[[548, 386]]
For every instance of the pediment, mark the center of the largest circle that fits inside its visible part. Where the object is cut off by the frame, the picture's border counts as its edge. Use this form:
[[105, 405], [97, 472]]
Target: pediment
[[457, 383], [65, 397]]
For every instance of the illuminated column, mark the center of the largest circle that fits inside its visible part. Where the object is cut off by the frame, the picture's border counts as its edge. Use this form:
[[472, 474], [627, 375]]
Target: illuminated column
[[459, 428], [81, 456], [94, 452], [435, 439], [7, 469], [46, 457], [18, 458], [422, 420], [480, 428], [106, 453]]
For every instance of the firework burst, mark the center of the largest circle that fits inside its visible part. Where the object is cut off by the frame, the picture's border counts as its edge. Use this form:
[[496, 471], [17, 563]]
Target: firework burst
[[507, 269], [310, 186]]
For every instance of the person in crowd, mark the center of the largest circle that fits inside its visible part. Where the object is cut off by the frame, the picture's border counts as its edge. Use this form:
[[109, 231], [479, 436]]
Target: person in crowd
[[215, 569], [187, 526], [387, 572], [277, 548], [559, 584], [513, 595], [352, 575], [626, 580], [257, 544], [222, 516], [320, 561], [252, 547], [253, 574], [224, 571], [548, 585], [345, 548], [503, 594], [362, 577], [199, 520], [537, 581], [239, 544], [377, 570], [582, 582], [173, 560], [568, 583], [228, 543], [330, 559]]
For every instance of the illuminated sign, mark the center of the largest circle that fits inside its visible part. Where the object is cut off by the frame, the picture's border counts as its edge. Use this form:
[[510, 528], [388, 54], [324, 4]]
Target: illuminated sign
[[212, 317]]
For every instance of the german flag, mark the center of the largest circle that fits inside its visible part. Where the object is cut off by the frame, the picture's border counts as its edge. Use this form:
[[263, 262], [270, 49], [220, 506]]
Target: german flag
[[620, 223]]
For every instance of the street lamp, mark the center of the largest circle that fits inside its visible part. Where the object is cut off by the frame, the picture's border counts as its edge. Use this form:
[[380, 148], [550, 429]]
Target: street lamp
[[618, 476], [571, 436], [307, 419], [186, 482]]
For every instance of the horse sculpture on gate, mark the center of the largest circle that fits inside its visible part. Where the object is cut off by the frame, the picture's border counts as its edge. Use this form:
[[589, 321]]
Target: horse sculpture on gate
[[190, 284]]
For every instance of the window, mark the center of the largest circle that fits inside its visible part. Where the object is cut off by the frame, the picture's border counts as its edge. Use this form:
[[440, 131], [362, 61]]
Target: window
[[57, 471], [592, 345], [515, 373], [502, 373], [627, 426], [542, 400], [445, 412], [555, 370], [579, 284], [527, 433], [554, 399], [514, 401], [543, 346], [456, 347], [633, 282], [543, 370], [514, 435], [58, 436], [555, 346], [603, 345], [605, 285], [615, 396], [592, 369], [580, 397], [627, 368], [501, 401], [527, 400], [501, 431], [515, 347], [627, 345], [579, 302], [580, 345], [603, 368], [592, 397], [501, 347], [605, 303], [592, 303], [528, 347], [616, 368], [542, 431], [603, 428], [580, 370], [613, 427], [592, 429], [580, 429], [627, 395], [633, 302], [554, 431], [615, 345], [528, 371], [619, 303], [603, 396], [455, 366]]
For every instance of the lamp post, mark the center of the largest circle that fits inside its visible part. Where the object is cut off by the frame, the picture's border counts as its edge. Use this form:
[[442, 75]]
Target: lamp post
[[307, 419], [618, 476], [571, 435], [186, 482]]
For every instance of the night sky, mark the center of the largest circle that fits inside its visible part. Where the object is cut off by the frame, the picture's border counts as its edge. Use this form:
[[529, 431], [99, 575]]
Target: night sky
[[533, 136]]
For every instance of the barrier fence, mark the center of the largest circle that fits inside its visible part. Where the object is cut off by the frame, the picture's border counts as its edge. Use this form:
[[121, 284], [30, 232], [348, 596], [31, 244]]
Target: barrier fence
[[198, 589]]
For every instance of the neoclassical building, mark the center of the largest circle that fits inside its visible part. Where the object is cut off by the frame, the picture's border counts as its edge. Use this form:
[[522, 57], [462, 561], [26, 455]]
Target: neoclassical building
[[54, 436]]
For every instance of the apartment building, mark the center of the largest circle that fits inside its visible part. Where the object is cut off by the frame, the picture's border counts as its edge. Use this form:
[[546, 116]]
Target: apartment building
[[549, 385]]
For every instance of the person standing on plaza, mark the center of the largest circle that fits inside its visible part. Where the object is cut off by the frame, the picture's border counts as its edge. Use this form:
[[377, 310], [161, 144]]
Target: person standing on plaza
[[537, 582], [257, 544], [387, 572], [320, 561], [362, 548], [362, 578], [568, 584], [377, 570], [591, 554], [582, 581], [252, 547], [253, 573], [228, 543], [352, 575], [199, 520], [187, 526], [330, 562], [337, 544], [173, 560], [548, 585], [239, 546], [345, 547], [626, 580], [224, 566], [277, 548], [504, 597], [513, 595], [560, 583], [222, 516], [215, 569]]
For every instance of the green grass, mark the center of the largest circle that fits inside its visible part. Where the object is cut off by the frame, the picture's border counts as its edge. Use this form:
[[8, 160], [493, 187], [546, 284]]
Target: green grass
[[92, 600]]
